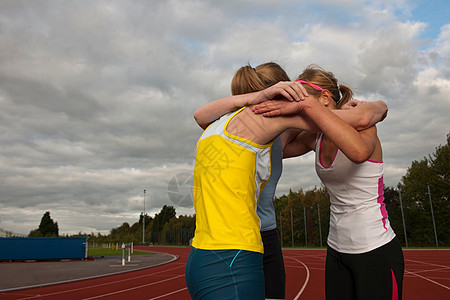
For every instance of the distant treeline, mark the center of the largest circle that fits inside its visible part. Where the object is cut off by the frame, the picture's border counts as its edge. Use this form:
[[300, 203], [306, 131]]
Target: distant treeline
[[164, 228], [303, 216]]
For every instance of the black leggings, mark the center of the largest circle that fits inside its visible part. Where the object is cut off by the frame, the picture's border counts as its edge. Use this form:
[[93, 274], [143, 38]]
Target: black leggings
[[274, 273], [377, 274]]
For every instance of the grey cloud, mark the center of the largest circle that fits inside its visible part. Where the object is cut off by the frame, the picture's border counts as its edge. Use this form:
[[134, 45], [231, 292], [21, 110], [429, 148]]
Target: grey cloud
[[96, 98]]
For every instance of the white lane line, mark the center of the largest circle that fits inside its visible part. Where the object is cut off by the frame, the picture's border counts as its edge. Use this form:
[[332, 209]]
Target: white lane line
[[134, 288], [306, 280], [174, 258], [427, 263], [428, 279], [432, 270], [103, 284], [174, 292]]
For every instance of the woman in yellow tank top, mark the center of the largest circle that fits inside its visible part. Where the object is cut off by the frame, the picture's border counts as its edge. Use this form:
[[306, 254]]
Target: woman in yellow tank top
[[232, 166]]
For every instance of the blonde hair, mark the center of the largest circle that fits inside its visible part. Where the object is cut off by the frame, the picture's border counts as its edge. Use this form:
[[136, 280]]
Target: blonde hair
[[341, 94], [248, 79]]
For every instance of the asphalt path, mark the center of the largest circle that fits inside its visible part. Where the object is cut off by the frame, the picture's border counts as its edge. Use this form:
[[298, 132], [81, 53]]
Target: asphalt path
[[30, 274]]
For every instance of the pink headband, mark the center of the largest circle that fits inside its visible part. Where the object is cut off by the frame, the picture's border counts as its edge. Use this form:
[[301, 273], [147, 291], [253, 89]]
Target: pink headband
[[316, 87], [311, 84]]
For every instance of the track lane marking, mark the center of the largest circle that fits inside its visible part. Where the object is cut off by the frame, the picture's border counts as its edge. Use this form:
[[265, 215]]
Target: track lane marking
[[306, 280], [133, 288], [101, 284], [427, 263], [174, 258], [425, 278], [168, 294]]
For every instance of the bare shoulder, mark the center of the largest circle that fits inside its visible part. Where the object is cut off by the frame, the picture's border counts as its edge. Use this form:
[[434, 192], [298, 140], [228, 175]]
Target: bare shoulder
[[253, 127]]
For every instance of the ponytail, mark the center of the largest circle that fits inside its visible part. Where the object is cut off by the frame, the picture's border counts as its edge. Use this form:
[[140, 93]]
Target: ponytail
[[346, 95], [341, 94], [248, 79]]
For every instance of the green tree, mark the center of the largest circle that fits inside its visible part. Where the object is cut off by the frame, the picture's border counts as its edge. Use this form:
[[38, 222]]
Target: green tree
[[319, 210], [392, 202], [290, 226], [35, 233], [148, 220], [167, 213], [178, 231], [303, 204], [47, 227], [121, 233], [432, 174]]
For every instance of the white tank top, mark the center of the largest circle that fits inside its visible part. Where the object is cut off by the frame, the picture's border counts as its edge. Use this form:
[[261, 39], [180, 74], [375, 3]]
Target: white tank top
[[358, 218]]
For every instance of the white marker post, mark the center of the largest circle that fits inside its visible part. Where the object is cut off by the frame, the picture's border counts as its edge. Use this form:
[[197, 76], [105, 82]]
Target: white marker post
[[123, 254]]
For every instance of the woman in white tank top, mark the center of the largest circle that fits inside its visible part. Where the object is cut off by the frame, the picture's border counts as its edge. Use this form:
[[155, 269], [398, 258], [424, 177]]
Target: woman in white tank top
[[364, 257]]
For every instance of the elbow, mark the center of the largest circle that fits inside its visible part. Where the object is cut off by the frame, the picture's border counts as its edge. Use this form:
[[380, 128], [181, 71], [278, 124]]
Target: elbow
[[365, 121], [385, 107], [381, 113], [359, 156], [196, 117], [199, 122], [368, 118]]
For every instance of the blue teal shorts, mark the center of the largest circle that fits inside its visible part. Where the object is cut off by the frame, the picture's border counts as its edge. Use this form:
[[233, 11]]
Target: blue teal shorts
[[225, 274]]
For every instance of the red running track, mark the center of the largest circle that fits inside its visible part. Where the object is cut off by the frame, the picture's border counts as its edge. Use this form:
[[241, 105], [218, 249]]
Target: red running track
[[427, 276]]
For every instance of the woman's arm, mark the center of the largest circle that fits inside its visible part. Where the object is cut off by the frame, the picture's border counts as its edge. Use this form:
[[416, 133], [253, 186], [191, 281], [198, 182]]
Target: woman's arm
[[211, 111], [370, 137], [208, 113], [360, 115], [302, 143], [345, 137], [298, 143], [262, 130], [363, 115]]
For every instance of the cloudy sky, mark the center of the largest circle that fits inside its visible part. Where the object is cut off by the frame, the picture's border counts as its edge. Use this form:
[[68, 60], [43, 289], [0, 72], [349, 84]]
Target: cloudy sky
[[97, 97]]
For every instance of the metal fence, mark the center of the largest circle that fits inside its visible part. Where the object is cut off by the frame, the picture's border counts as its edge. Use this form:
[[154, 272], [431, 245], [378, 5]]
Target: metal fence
[[176, 237]]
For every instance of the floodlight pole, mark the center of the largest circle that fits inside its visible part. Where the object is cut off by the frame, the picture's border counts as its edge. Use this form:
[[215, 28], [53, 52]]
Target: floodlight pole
[[304, 219], [403, 216], [432, 217], [320, 228], [281, 231], [143, 223], [292, 229]]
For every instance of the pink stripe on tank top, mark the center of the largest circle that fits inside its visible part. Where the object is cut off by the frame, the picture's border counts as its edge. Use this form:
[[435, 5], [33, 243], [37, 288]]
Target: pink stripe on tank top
[[380, 200], [375, 161], [320, 154]]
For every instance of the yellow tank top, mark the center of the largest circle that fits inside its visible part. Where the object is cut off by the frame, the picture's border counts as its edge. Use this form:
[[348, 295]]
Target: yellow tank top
[[229, 174]]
